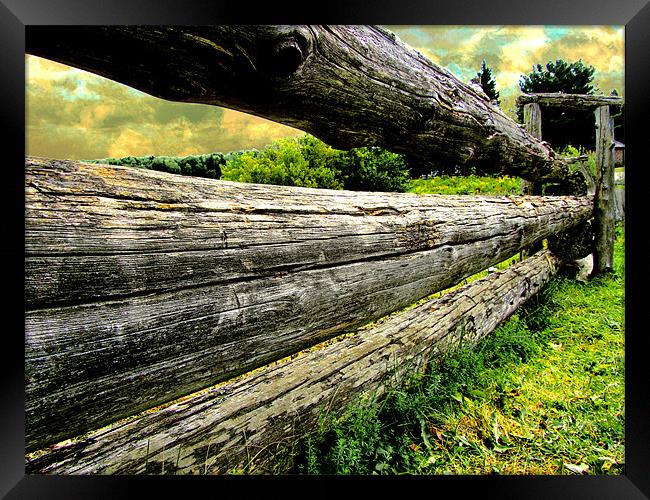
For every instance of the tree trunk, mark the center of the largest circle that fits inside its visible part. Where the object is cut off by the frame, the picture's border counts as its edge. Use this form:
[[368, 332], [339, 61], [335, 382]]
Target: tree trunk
[[604, 210], [142, 286], [350, 86], [248, 423]]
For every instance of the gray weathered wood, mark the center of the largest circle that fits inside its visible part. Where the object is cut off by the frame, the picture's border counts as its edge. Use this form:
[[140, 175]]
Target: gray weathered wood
[[619, 204], [533, 119], [244, 423], [348, 85], [533, 124], [577, 102], [143, 286], [604, 200]]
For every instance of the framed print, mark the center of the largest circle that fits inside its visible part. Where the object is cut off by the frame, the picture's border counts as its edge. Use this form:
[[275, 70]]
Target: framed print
[[170, 284]]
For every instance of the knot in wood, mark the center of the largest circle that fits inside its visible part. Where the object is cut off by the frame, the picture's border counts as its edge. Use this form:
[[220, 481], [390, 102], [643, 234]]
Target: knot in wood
[[286, 57]]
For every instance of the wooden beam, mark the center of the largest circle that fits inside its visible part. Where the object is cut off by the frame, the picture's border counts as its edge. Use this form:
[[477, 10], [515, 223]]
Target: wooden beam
[[533, 124], [604, 201], [244, 424], [350, 86], [143, 286], [577, 102]]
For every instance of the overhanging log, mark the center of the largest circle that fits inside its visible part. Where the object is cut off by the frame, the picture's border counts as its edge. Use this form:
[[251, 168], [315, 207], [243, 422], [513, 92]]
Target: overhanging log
[[143, 286], [348, 85], [244, 423]]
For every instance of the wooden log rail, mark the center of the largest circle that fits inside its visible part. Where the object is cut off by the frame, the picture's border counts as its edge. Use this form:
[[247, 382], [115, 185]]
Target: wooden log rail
[[577, 102], [244, 424], [350, 86], [143, 286]]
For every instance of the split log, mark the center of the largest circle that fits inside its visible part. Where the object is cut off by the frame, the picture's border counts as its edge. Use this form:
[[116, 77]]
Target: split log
[[350, 86], [533, 123], [576, 102], [604, 199], [245, 423], [143, 286]]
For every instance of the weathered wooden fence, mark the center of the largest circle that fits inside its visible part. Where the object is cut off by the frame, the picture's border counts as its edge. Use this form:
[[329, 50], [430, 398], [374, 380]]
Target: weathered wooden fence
[[144, 287], [605, 198]]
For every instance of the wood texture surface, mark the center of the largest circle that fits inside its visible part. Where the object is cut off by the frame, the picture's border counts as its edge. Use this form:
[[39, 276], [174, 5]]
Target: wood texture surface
[[245, 423], [533, 124], [605, 197], [350, 86], [578, 102], [142, 286]]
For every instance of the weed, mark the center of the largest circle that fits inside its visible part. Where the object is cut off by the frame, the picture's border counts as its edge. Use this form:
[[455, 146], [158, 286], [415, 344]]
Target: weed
[[543, 394], [467, 185]]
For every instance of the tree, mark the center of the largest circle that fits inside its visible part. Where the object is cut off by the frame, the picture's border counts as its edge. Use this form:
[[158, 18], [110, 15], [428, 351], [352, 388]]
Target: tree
[[561, 128], [488, 83], [373, 169]]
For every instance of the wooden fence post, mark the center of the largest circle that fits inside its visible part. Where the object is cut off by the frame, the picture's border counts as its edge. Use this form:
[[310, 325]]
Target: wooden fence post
[[604, 196], [533, 124]]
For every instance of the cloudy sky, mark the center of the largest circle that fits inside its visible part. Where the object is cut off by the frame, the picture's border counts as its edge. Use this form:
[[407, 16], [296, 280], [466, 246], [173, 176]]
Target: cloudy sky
[[74, 114]]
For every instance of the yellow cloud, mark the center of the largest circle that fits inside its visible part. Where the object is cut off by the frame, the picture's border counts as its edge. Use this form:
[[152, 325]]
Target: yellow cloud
[[244, 128], [191, 150], [44, 72], [519, 56], [615, 63], [87, 116], [131, 143], [94, 115]]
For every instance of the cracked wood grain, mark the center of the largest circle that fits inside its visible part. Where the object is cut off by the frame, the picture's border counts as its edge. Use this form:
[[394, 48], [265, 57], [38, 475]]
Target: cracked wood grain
[[350, 86], [245, 423], [135, 297], [578, 102]]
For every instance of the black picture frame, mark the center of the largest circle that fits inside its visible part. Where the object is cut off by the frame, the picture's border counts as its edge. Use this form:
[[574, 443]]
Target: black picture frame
[[16, 15]]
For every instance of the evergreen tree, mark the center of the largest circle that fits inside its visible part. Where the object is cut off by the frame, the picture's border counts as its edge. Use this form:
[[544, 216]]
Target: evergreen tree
[[570, 78], [563, 127], [488, 83]]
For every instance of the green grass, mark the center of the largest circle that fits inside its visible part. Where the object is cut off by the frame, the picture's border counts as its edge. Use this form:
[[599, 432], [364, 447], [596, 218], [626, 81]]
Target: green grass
[[472, 184], [543, 394]]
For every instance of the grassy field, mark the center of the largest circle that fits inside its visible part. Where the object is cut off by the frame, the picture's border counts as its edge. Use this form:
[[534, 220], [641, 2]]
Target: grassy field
[[543, 394], [472, 184]]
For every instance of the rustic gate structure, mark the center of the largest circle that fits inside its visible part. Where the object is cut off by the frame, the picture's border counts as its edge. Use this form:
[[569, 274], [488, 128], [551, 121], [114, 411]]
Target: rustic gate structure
[[604, 200], [163, 312]]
